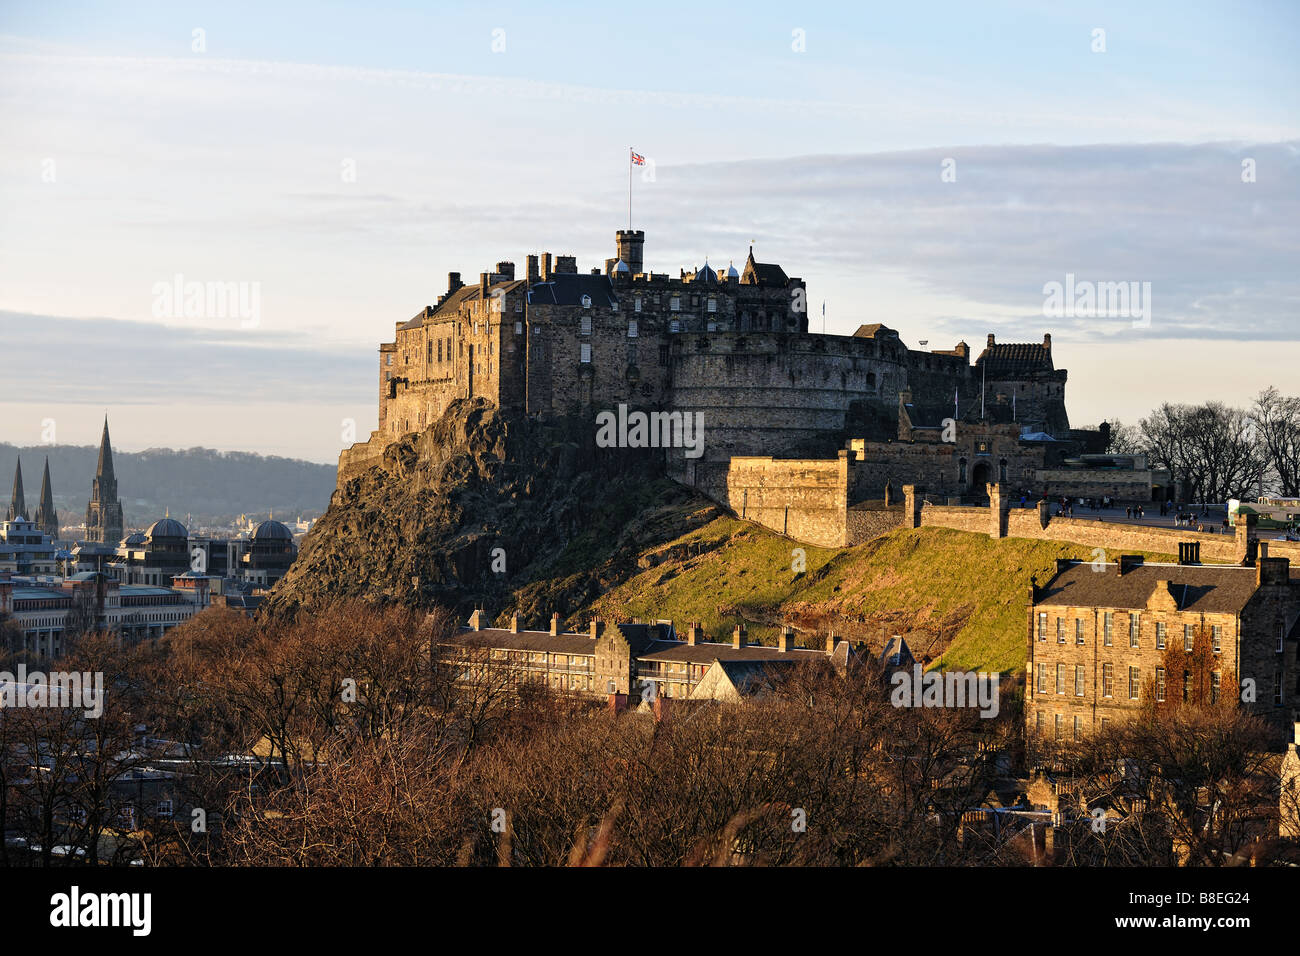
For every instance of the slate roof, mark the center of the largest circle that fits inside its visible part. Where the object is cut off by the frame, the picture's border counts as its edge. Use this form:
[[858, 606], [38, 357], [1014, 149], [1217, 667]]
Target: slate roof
[[706, 652], [568, 288], [501, 637], [1015, 358], [1199, 588], [457, 299], [763, 273]]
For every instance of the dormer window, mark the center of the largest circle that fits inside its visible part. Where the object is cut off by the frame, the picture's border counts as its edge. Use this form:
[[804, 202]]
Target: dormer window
[[586, 302]]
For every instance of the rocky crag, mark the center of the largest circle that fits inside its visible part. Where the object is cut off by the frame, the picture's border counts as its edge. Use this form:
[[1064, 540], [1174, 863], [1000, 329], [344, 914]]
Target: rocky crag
[[487, 507]]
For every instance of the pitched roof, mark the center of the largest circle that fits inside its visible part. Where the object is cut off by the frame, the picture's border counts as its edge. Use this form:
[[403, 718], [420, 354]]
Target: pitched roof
[[1200, 588], [706, 652], [1015, 357], [568, 288], [566, 642], [762, 273]]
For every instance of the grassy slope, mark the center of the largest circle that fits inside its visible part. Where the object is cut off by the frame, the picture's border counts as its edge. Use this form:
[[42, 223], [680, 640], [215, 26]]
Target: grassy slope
[[958, 594]]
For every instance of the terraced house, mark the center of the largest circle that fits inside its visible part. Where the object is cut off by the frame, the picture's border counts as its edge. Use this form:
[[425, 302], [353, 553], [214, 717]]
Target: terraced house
[[635, 659], [1106, 639]]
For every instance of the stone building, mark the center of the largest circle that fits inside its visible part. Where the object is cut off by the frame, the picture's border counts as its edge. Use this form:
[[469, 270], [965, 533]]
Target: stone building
[[732, 350], [639, 660], [1106, 639]]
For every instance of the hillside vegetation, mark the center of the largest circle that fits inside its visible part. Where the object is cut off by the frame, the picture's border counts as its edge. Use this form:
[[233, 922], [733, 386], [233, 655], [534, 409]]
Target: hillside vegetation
[[956, 596]]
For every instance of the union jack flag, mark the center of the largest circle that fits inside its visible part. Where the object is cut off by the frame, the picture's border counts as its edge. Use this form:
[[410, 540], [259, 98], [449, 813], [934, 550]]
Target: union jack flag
[[637, 159]]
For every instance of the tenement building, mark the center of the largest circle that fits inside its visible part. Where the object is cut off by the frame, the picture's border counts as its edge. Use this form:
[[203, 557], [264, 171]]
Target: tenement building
[[1108, 639], [643, 660]]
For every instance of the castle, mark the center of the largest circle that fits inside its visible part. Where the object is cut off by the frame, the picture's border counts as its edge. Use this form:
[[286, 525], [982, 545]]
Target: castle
[[800, 428]]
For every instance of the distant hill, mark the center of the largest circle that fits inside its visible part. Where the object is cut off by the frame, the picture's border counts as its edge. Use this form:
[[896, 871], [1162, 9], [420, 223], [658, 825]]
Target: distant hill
[[213, 486]]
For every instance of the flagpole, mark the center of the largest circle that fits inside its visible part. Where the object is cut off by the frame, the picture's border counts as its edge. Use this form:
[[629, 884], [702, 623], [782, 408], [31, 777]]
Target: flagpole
[[629, 189]]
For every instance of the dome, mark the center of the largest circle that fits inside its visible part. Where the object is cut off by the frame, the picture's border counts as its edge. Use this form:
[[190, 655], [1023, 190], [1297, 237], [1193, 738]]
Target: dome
[[271, 531], [167, 528], [134, 538], [731, 272], [705, 274]]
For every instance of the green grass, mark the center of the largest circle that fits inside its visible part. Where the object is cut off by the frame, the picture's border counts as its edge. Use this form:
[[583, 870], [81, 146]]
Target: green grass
[[963, 595]]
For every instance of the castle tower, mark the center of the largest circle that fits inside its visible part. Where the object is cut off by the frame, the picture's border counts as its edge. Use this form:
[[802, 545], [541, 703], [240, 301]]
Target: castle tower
[[631, 249], [104, 512], [47, 518], [17, 507]]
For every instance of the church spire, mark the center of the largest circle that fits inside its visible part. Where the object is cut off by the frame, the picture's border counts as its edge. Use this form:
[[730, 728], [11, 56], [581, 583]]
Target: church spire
[[47, 517], [105, 470], [104, 512], [17, 507]]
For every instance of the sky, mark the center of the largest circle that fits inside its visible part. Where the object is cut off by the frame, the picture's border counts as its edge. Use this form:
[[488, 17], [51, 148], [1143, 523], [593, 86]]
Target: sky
[[930, 167]]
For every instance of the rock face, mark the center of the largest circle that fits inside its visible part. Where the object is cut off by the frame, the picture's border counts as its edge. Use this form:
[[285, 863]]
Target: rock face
[[488, 507]]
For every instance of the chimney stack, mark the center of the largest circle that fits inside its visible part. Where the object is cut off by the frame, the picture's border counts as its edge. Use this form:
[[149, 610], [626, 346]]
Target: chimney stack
[[484, 280], [597, 626], [546, 267], [832, 641], [693, 634], [1128, 562], [514, 623], [991, 340], [453, 282], [532, 269], [506, 270], [1272, 572], [738, 636], [786, 642], [476, 620], [555, 625]]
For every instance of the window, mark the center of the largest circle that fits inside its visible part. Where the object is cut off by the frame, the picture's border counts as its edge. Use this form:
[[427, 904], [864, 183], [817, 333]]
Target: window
[[1078, 630], [675, 304], [713, 304], [1060, 630], [1059, 722], [586, 353], [631, 354], [1107, 680], [1042, 625], [631, 328], [390, 359], [1216, 637], [961, 470], [1187, 686], [519, 328], [1188, 638], [1078, 680], [1160, 684], [1038, 721], [674, 326], [1042, 678], [584, 327], [1277, 688], [1078, 727], [439, 350], [1134, 628], [636, 304], [1060, 678], [1214, 687], [663, 355], [1134, 676], [1108, 625], [1160, 635]]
